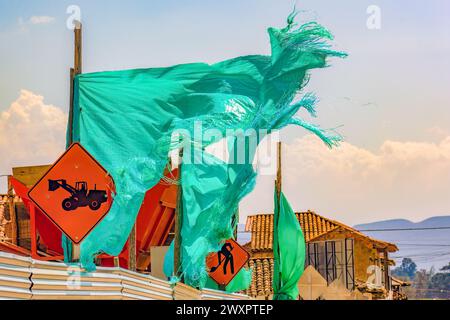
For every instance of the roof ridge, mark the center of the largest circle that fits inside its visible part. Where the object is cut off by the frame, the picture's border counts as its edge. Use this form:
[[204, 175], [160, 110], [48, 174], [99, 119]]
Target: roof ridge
[[320, 216], [303, 212]]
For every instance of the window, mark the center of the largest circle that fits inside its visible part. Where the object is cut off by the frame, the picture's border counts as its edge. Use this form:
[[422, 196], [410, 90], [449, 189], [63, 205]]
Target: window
[[333, 260]]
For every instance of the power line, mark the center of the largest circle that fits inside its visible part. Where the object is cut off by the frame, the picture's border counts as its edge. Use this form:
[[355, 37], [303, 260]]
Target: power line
[[429, 255], [422, 245], [405, 229], [433, 290]]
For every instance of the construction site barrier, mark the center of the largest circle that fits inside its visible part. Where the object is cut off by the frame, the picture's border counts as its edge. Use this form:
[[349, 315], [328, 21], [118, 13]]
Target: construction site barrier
[[23, 278]]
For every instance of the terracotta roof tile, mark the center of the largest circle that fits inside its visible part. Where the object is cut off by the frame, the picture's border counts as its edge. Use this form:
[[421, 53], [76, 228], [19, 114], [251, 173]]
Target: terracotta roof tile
[[261, 228], [261, 277]]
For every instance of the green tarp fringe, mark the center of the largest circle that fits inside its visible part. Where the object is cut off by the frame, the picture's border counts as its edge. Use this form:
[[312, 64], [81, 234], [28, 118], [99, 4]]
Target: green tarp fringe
[[126, 120]]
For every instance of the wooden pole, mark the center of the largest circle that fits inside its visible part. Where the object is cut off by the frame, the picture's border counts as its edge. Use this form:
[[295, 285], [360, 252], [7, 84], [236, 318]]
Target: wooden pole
[[386, 269], [72, 77], [78, 61], [177, 245], [132, 249], [279, 181], [12, 212], [278, 188], [77, 69], [178, 222], [236, 222], [33, 233]]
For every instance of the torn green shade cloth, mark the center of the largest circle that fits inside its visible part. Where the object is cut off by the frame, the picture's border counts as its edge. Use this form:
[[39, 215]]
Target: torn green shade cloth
[[211, 192], [288, 251], [126, 119]]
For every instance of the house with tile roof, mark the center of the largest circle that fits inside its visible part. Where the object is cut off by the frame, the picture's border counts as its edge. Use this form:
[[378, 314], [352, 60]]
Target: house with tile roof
[[335, 250]]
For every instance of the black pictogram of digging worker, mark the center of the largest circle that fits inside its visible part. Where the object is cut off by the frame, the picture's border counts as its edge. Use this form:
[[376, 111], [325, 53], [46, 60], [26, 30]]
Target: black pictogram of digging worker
[[225, 252]]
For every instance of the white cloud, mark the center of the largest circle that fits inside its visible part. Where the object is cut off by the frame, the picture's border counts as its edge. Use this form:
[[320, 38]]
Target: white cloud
[[41, 20], [399, 180], [438, 132], [408, 180], [31, 133], [34, 20]]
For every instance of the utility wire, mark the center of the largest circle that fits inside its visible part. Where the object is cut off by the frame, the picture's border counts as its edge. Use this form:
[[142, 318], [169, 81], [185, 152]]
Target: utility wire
[[397, 229], [404, 229], [422, 244], [423, 255]]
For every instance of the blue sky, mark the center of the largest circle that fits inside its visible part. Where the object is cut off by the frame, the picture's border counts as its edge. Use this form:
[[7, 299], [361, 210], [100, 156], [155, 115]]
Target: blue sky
[[392, 88]]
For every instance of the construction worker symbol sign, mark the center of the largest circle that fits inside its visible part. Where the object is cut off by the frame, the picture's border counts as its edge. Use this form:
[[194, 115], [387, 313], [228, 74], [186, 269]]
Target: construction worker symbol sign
[[76, 193], [225, 265]]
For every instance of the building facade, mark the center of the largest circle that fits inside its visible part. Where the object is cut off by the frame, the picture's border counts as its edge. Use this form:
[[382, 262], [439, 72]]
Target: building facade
[[336, 251]]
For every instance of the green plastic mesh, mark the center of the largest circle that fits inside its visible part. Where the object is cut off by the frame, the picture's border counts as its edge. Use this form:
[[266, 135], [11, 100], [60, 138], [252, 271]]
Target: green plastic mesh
[[126, 120]]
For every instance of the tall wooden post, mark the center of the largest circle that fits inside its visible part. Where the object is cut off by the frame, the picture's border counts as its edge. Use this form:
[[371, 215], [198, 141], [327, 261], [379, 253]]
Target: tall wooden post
[[132, 249], [78, 60], [236, 222], [77, 69], [386, 269], [33, 233], [278, 184], [278, 188], [178, 222], [72, 77]]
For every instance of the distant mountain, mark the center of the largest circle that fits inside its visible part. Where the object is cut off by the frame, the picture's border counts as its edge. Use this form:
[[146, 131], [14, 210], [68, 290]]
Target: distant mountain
[[427, 248], [433, 222], [243, 237]]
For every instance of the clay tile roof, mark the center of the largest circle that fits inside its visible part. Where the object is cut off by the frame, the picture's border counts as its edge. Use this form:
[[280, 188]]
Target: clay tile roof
[[261, 277], [261, 227]]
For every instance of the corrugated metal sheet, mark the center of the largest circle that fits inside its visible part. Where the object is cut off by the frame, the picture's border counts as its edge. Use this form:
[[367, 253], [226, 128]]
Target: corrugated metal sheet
[[25, 278], [184, 292], [208, 294], [15, 272]]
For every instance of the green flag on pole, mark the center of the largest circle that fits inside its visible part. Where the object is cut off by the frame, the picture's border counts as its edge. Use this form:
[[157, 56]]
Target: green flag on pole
[[288, 250]]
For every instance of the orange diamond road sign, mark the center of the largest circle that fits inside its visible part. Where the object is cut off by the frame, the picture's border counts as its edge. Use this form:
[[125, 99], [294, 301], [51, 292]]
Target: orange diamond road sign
[[226, 264], [76, 193]]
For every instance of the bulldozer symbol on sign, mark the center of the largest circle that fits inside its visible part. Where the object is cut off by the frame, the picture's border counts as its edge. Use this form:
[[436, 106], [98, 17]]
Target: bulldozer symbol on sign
[[80, 196]]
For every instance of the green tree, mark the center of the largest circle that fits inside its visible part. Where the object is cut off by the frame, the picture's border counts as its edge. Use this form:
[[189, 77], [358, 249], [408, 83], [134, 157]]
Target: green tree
[[446, 268], [440, 283], [407, 269], [428, 284]]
